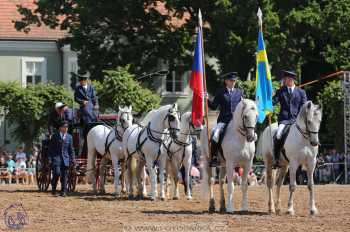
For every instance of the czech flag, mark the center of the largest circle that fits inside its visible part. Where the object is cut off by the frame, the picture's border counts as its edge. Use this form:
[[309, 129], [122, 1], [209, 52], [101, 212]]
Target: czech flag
[[196, 81], [264, 88]]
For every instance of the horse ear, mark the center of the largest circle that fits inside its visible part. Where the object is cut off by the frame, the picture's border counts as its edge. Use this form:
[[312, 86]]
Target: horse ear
[[309, 105], [130, 108], [175, 106], [120, 109]]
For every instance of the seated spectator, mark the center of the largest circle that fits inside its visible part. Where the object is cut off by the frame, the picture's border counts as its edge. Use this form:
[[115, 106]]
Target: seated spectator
[[31, 170], [20, 155], [4, 172], [20, 171], [11, 164]]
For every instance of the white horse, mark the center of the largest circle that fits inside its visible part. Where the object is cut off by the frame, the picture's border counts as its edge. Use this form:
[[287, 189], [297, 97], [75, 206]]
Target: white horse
[[238, 150], [177, 152], [144, 142], [301, 148], [107, 141]]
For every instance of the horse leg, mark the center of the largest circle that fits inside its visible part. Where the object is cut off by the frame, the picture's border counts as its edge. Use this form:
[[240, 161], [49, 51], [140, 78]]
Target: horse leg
[[222, 179], [161, 177], [116, 174], [230, 187], [187, 165], [244, 186], [122, 178], [153, 177], [144, 180], [91, 167], [175, 169], [131, 173], [211, 182], [140, 169], [310, 186], [102, 174], [280, 177], [269, 184], [292, 185]]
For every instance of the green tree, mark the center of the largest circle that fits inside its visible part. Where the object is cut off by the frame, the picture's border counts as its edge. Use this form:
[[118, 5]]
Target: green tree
[[119, 89], [28, 108], [332, 127]]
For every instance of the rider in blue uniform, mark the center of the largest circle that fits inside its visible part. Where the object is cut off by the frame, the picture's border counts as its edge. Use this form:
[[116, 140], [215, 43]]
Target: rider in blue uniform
[[291, 99], [226, 99], [85, 96]]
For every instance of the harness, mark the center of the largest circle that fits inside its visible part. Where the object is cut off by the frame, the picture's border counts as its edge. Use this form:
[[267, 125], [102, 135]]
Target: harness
[[151, 137], [182, 145]]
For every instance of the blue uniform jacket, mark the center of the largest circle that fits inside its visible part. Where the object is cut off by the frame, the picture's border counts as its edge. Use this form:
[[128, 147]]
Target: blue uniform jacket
[[290, 105], [87, 113], [226, 103], [55, 119], [61, 150]]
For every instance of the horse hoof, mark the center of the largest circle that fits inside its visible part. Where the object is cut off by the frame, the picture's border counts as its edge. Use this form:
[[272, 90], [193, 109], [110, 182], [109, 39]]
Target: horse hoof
[[272, 211], [162, 198], [153, 199], [175, 198], [189, 198], [130, 197], [290, 212], [222, 209], [278, 211], [230, 211], [314, 212]]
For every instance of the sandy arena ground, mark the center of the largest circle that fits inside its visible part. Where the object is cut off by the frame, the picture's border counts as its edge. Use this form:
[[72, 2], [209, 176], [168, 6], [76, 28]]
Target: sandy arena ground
[[85, 212]]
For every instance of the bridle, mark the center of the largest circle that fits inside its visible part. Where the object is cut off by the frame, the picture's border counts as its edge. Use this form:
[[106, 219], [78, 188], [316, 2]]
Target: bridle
[[307, 133], [243, 130], [127, 119]]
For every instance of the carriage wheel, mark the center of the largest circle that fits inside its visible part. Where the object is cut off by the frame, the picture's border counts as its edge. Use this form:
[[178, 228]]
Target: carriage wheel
[[72, 178], [42, 172]]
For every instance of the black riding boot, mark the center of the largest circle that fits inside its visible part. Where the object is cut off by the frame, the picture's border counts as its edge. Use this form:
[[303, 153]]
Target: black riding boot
[[214, 162], [276, 151]]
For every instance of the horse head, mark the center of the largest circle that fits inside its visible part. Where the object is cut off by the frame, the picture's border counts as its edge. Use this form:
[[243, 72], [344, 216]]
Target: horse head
[[125, 117], [245, 116], [172, 120], [309, 119]]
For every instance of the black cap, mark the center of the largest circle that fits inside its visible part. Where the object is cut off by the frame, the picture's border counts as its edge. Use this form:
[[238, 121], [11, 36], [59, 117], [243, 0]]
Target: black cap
[[63, 124], [286, 73], [79, 77], [230, 76]]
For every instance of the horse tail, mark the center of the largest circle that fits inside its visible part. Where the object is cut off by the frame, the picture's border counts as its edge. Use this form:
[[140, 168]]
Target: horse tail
[[205, 185]]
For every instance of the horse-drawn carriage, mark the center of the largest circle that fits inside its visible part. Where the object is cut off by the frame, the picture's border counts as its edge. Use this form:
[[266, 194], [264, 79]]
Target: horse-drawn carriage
[[43, 169]]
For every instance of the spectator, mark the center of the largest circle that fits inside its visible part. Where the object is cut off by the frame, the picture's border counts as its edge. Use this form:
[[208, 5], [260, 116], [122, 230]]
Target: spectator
[[336, 158], [20, 155], [11, 164], [20, 171], [31, 169], [4, 172]]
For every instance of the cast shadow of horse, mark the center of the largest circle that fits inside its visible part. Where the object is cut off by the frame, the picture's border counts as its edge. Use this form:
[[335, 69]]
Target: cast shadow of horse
[[189, 212]]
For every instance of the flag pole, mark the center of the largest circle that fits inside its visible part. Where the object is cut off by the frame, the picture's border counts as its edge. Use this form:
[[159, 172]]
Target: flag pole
[[269, 116], [204, 77]]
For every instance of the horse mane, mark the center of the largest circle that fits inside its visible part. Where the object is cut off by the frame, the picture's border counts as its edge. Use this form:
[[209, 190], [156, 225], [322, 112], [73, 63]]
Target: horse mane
[[303, 111], [149, 116]]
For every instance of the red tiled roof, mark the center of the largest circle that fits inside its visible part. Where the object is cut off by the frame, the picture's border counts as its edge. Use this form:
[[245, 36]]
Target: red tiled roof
[[8, 13]]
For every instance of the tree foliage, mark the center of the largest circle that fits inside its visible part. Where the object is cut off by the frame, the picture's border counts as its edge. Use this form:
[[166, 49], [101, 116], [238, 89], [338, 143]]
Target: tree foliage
[[27, 108], [309, 36], [119, 89], [332, 126]]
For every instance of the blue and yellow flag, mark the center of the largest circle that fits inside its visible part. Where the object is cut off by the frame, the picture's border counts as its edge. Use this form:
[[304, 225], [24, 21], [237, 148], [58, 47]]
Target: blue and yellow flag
[[263, 95]]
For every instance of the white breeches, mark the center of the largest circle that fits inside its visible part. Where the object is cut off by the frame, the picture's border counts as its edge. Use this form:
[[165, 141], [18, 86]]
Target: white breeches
[[280, 130], [217, 130]]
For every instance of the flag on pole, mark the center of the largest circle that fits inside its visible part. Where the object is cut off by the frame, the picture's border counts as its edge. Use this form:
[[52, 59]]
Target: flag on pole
[[196, 81], [264, 89]]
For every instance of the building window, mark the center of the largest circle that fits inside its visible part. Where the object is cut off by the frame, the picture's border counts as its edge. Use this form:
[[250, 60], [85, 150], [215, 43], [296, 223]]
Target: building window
[[174, 83], [33, 70]]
